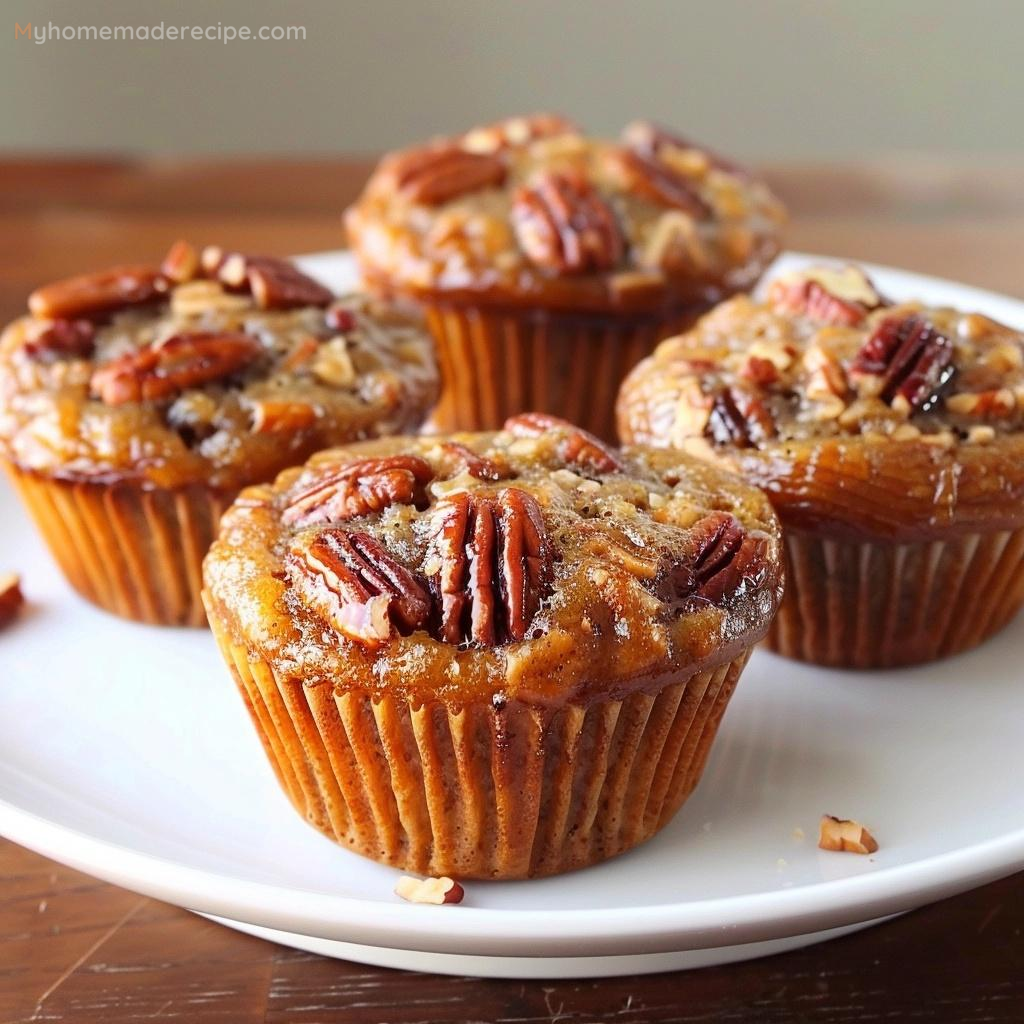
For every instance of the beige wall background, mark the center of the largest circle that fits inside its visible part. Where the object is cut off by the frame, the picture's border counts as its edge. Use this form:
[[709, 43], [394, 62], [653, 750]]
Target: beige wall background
[[766, 78]]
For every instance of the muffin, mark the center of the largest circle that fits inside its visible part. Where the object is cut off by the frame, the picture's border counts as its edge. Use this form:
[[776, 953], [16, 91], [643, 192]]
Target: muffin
[[890, 439], [492, 655], [135, 403], [549, 263]]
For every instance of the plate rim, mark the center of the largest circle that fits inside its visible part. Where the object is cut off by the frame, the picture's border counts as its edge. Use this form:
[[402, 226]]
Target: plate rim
[[662, 927]]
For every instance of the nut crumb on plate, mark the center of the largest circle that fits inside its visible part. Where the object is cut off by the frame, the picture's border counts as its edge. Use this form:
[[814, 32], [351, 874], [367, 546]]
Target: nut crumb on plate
[[845, 836], [11, 597], [429, 890]]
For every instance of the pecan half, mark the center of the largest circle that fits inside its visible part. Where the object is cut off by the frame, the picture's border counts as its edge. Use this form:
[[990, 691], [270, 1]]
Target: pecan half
[[351, 580], [651, 178], [496, 566], [841, 298], [650, 140], [563, 224], [90, 295], [278, 284], [167, 367], [63, 339], [438, 173], [360, 488], [579, 447], [478, 466], [723, 562], [913, 361], [738, 417]]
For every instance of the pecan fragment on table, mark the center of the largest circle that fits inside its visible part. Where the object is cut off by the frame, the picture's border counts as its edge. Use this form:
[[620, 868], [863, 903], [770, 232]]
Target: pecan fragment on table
[[912, 363], [89, 295], [434, 175], [579, 447], [563, 224], [62, 339], [167, 367], [352, 581], [739, 417], [360, 488], [11, 597], [496, 567]]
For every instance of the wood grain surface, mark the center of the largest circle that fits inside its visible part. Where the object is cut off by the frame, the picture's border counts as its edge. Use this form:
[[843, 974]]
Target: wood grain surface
[[75, 949]]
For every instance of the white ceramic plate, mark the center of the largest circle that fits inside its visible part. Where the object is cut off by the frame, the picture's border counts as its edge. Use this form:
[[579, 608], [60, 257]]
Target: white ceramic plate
[[125, 752]]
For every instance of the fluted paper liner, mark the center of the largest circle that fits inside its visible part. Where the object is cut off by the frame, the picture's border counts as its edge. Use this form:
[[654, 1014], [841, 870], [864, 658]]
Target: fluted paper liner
[[481, 791], [137, 553], [873, 604], [495, 363]]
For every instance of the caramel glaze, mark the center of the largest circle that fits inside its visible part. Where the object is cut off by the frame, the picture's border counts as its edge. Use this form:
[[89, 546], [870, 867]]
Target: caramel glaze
[[618, 527], [317, 377]]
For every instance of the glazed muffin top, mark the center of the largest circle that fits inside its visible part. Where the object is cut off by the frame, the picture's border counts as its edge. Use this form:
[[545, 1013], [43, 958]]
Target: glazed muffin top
[[216, 367], [827, 385], [529, 211], [535, 564]]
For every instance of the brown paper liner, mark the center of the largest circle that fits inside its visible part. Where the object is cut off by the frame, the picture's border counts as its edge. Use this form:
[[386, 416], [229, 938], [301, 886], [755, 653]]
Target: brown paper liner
[[479, 791], [497, 363], [867, 604], [134, 552]]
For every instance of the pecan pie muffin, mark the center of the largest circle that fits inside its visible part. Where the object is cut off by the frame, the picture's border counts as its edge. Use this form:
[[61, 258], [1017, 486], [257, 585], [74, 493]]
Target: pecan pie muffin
[[549, 263], [135, 403], [492, 655], [890, 438]]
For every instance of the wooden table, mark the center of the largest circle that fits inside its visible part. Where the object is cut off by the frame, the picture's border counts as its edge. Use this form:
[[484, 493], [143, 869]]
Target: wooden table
[[74, 949]]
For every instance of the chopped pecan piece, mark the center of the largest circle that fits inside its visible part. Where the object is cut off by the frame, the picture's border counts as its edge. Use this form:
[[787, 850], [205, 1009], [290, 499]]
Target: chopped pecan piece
[[651, 178], [363, 592], [723, 561], [478, 466], [11, 597], [911, 359], [340, 319], [270, 417], [496, 566], [167, 367], [181, 264], [579, 447], [841, 835], [63, 339], [515, 131], [563, 224], [437, 174], [360, 488], [841, 298], [90, 295], [738, 417]]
